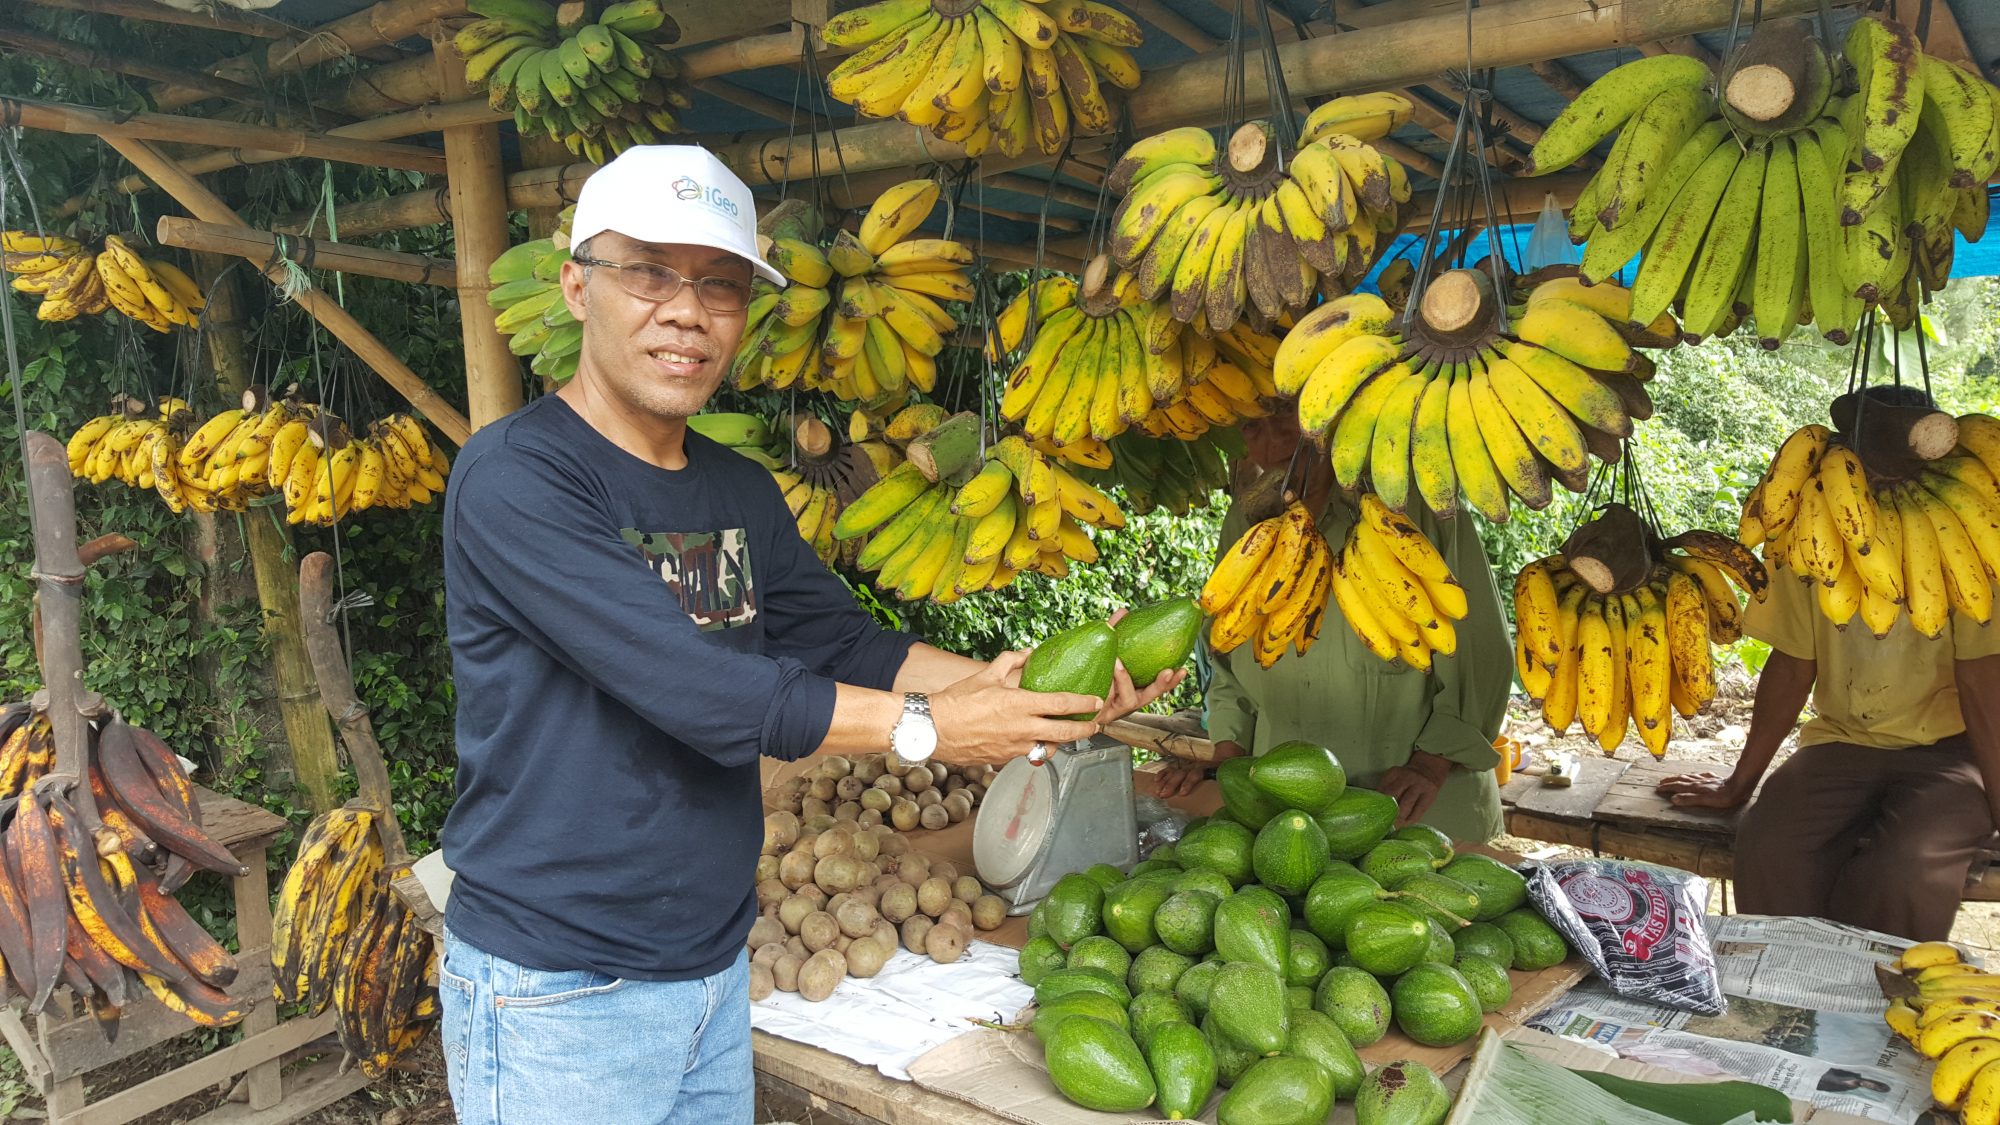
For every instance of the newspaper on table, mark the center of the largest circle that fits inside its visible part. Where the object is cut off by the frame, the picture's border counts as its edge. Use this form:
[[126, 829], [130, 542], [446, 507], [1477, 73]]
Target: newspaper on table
[[1804, 1017]]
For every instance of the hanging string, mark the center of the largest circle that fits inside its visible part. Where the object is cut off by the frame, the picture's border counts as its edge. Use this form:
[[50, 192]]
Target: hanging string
[[9, 133]]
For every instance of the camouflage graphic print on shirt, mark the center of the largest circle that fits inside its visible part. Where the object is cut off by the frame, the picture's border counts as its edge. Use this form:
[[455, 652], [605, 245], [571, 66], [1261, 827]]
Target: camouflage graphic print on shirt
[[708, 572]]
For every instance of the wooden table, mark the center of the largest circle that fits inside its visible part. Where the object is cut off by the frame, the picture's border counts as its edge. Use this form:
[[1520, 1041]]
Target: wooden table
[[64, 1045], [801, 1083], [1614, 809]]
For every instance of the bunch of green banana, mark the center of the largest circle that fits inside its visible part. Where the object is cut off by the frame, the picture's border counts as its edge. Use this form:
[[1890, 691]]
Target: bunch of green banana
[[949, 522], [342, 937], [1004, 74], [530, 310], [818, 474], [1876, 545], [1167, 473], [1631, 657], [74, 282], [1217, 231], [599, 88], [1104, 358], [1464, 410], [862, 317]]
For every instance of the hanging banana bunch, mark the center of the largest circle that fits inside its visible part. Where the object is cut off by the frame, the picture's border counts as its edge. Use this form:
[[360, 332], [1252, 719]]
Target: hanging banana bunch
[[1467, 399], [342, 937], [74, 282], [1782, 201], [1218, 232], [818, 474], [999, 74], [267, 445], [863, 317], [528, 303], [1904, 518], [1167, 473], [598, 88], [949, 522], [1271, 587], [1614, 630]]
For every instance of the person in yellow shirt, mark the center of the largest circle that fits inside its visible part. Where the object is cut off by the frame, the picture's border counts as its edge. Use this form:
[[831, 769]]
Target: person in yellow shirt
[[1876, 818]]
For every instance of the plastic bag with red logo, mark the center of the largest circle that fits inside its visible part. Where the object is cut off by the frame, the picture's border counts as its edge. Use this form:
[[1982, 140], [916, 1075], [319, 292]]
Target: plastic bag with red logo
[[1638, 924]]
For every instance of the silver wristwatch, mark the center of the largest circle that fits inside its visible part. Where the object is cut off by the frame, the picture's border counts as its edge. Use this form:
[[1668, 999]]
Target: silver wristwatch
[[914, 737]]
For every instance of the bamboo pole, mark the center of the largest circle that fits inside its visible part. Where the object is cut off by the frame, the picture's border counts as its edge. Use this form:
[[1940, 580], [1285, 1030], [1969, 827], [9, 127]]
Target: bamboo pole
[[257, 246], [309, 760], [47, 46], [478, 190], [58, 575], [376, 26], [221, 19], [88, 122], [207, 206]]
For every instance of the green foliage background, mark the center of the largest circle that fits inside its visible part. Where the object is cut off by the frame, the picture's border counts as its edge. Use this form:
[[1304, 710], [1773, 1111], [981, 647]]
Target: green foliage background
[[1722, 407]]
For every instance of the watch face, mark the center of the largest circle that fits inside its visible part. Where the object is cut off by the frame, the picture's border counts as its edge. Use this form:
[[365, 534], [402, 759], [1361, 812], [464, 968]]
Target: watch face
[[914, 739]]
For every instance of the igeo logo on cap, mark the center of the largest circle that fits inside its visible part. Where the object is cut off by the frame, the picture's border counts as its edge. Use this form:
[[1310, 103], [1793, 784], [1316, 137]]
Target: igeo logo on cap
[[671, 195]]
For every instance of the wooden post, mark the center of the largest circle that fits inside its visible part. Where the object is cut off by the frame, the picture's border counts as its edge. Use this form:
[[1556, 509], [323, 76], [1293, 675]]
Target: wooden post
[[308, 754], [59, 601], [209, 207], [336, 693], [88, 122], [478, 187], [256, 246]]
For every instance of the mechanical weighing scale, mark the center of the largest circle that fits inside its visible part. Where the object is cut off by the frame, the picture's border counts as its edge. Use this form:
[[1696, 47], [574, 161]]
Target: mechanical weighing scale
[[1038, 823]]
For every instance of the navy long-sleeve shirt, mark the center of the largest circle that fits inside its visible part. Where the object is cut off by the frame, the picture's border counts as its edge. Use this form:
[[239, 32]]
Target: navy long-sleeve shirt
[[627, 641]]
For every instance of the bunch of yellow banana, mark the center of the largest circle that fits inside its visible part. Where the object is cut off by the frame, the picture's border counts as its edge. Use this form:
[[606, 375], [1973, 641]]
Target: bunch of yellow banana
[[864, 316], [1950, 1011], [1395, 589], [1004, 74], [74, 282], [342, 937], [528, 304], [1103, 359], [1270, 588], [1878, 547], [1481, 413], [1170, 473], [1636, 655], [977, 526], [1215, 230], [596, 87], [818, 474]]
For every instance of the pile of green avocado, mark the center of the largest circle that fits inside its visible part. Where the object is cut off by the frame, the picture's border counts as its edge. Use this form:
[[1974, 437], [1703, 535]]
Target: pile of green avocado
[[1275, 938]]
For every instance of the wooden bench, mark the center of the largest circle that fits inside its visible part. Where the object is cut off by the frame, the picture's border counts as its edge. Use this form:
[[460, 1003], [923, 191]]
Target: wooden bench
[[1613, 808], [64, 1045]]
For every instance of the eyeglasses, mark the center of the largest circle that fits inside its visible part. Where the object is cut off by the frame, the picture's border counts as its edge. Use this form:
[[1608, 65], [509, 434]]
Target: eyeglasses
[[652, 282]]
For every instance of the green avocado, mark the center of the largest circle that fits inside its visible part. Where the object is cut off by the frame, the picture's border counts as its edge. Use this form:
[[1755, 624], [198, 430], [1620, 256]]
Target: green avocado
[[1306, 958], [1096, 1064], [1062, 982], [1488, 979], [1402, 1093], [1231, 1058], [1392, 861], [1299, 775], [1441, 951], [1484, 939], [1435, 1005], [1184, 1069], [1537, 945], [1334, 899], [1129, 908], [1253, 925], [1245, 803], [1186, 922], [1157, 969], [1290, 853], [1430, 839], [1356, 821], [1500, 888], [1073, 909], [1201, 879], [1221, 846], [1083, 660], [1104, 875], [1287, 1090], [1356, 1003], [1449, 900], [1040, 957], [1248, 1005], [1157, 638], [1150, 1011], [1093, 1004], [1195, 986], [1387, 939], [1315, 1036], [1100, 952]]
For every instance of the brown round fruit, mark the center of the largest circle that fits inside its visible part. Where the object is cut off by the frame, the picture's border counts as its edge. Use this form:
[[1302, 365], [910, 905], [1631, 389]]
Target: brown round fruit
[[785, 972], [867, 845], [768, 955], [764, 931], [822, 789], [915, 930], [837, 840], [837, 873], [811, 893], [762, 981], [891, 784], [869, 818], [866, 957], [989, 912], [934, 817], [875, 800], [772, 891], [780, 829], [918, 780], [795, 870], [929, 798], [797, 948], [905, 814], [818, 930], [967, 889], [792, 912], [821, 975], [946, 870], [856, 917], [957, 914], [898, 902], [945, 944], [933, 895], [915, 869]]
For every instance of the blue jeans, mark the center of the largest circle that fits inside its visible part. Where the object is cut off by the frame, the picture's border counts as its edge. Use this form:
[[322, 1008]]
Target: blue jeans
[[528, 1046]]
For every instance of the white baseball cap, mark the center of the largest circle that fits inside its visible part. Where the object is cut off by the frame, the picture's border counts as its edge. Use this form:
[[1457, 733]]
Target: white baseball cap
[[671, 194]]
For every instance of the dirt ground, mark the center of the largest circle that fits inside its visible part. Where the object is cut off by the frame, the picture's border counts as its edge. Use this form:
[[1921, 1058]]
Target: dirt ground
[[415, 1094]]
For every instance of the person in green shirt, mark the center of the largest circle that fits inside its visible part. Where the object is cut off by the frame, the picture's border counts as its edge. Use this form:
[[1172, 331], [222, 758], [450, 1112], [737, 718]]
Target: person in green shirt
[[1426, 740]]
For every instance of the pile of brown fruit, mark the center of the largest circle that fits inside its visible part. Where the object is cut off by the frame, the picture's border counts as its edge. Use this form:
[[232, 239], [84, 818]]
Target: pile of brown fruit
[[876, 789]]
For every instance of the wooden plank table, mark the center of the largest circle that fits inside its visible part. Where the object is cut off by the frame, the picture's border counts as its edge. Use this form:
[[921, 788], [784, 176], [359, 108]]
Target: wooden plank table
[[64, 1044], [801, 1083]]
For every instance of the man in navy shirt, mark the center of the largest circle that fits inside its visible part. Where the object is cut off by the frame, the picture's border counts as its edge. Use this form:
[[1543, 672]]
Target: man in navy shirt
[[634, 622]]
